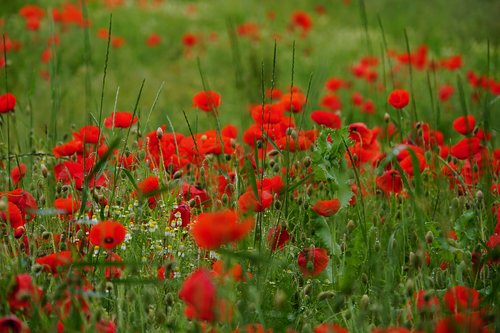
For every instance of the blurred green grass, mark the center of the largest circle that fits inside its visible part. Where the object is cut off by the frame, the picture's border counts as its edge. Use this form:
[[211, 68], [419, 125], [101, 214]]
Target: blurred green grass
[[337, 40]]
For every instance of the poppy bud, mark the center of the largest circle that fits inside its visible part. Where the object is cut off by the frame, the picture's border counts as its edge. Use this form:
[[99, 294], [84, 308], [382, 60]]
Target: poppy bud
[[429, 237], [479, 195], [44, 170], [258, 143], [410, 286], [3, 205], [279, 298], [387, 117], [364, 302], [350, 226], [177, 174], [159, 133], [273, 153], [307, 161], [325, 295], [377, 246], [307, 289]]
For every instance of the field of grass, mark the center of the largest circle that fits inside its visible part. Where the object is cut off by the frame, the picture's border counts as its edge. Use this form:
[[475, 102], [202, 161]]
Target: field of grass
[[249, 166]]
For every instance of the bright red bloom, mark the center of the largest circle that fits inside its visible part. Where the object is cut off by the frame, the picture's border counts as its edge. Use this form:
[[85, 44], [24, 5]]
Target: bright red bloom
[[104, 326], [24, 293], [399, 98], [445, 92], [207, 101], [181, 214], [67, 149], [326, 118], [390, 182], [248, 201], [113, 272], [67, 205], [331, 102], [466, 148], [464, 124], [17, 173], [301, 20], [212, 230], [7, 102], [330, 328], [189, 39], [54, 261], [120, 119], [359, 132], [326, 207], [199, 195], [460, 298], [199, 293], [147, 187], [426, 302], [312, 261], [277, 237], [462, 322], [12, 324], [108, 234], [391, 330], [13, 216], [153, 40], [87, 134]]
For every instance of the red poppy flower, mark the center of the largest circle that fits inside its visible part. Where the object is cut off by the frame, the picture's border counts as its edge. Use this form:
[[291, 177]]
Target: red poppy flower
[[331, 102], [461, 322], [153, 40], [391, 330], [460, 298], [87, 134], [426, 302], [464, 124], [301, 20], [247, 201], [269, 114], [312, 261], [7, 102], [212, 230], [108, 234], [399, 98], [466, 148], [326, 207], [190, 192], [67, 205], [104, 326], [113, 272], [359, 132], [207, 101], [277, 237], [17, 173], [390, 182], [330, 328], [23, 200], [357, 98], [326, 118], [199, 293], [24, 293], [119, 119], [445, 92], [54, 261], [13, 216], [189, 39], [181, 214], [148, 186], [13, 324]]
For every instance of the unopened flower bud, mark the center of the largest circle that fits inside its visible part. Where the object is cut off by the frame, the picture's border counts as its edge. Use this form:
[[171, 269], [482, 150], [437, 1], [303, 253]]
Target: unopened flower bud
[[159, 133]]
